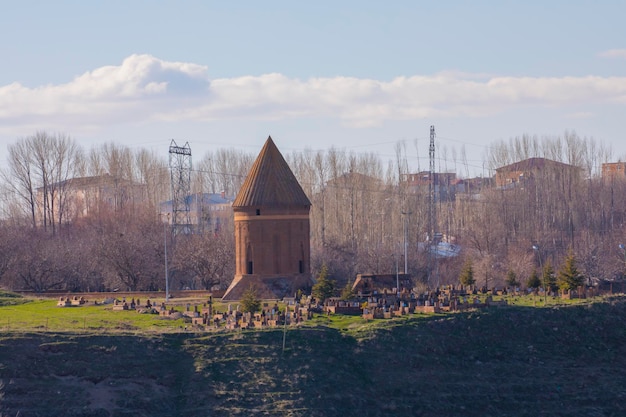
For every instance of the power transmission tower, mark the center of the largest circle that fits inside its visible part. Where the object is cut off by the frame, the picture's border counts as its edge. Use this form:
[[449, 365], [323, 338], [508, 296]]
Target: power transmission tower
[[432, 213], [180, 175]]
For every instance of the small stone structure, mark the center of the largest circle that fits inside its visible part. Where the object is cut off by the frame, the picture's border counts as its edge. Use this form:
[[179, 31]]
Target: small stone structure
[[71, 301]]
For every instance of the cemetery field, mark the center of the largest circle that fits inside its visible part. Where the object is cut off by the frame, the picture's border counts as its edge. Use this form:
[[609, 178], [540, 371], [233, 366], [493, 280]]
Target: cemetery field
[[44, 315], [560, 360], [35, 314], [18, 313]]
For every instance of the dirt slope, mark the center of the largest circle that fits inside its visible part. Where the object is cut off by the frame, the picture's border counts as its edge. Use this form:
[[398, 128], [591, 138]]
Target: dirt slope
[[502, 362]]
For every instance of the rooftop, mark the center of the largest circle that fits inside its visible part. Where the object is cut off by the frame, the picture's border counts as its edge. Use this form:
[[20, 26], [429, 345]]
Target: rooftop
[[270, 182]]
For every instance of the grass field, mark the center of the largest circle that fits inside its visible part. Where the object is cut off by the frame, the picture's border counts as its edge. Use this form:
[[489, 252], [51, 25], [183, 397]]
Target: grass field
[[46, 315], [19, 313]]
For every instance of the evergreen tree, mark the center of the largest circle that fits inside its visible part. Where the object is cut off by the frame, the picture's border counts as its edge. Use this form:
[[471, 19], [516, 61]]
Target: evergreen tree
[[467, 274], [324, 287], [534, 281], [511, 279], [548, 278], [569, 277], [347, 293], [250, 302]]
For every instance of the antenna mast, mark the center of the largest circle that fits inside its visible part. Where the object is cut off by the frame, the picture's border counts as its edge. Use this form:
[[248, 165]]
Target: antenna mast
[[180, 175], [432, 214]]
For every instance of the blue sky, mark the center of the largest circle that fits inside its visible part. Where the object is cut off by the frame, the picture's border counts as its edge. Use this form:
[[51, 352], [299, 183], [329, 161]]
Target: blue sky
[[356, 75]]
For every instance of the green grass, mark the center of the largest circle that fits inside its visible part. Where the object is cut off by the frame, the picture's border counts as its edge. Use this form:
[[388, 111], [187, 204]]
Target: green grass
[[45, 315], [7, 294], [11, 299], [540, 301]]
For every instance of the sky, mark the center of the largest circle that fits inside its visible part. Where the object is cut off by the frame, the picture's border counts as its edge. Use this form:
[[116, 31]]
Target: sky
[[358, 76]]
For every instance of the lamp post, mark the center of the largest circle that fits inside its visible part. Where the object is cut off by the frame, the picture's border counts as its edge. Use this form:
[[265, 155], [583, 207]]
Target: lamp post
[[545, 288], [623, 248], [406, 241], [397, 280], [167, 283], [406, 246]]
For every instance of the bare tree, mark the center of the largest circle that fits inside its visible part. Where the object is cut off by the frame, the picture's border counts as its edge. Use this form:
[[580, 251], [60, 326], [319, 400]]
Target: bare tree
[[39, 167], [152, 172], [8, 249], [132, 250], [40, 262], [19, 179], [361, 212], [206, 259]]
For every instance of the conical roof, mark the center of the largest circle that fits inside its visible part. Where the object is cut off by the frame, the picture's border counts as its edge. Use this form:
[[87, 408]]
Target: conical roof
[[270, 182]]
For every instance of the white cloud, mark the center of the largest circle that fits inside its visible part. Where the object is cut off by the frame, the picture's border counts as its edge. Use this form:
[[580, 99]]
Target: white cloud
[[613, 53], [144, 89], [581, 115]]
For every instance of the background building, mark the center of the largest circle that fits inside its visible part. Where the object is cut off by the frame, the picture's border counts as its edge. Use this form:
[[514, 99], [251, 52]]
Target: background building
[[207, 211], [612, 171], [84, 196], [532, 169]]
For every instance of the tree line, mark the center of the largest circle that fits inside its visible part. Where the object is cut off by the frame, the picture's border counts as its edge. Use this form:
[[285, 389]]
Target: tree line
[[364, 217]]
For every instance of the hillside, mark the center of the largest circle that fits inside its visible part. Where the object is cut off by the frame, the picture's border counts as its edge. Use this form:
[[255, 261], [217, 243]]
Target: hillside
[[511, 361]]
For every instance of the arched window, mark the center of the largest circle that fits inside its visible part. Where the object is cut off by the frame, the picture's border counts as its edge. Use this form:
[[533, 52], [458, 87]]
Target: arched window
[[249, 263], [301, 261]]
